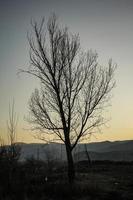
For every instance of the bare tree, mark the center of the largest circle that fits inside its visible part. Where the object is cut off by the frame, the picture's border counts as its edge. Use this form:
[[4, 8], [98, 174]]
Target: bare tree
[[87, 155], [14, 149], [2, 149], [74, 87], [10, 152]]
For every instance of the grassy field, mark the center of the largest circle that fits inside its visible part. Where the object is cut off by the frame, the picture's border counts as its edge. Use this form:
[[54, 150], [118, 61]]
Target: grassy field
[[38, 180]]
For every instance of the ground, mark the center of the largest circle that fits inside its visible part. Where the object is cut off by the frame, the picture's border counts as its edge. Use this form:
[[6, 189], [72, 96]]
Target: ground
[[32, 180]]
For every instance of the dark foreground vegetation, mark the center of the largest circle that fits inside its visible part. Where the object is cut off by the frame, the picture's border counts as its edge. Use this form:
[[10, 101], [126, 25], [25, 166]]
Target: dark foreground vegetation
[[34, 179]]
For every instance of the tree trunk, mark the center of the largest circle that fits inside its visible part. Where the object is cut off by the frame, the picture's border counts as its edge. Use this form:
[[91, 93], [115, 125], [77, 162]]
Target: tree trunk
[[88, 156], [71, 169]]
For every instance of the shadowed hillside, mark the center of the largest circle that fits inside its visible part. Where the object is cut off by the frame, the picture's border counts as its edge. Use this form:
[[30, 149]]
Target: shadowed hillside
[[115, 151]]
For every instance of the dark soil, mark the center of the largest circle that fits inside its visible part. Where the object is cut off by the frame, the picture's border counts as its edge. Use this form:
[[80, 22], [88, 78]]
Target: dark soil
[[35, 180]]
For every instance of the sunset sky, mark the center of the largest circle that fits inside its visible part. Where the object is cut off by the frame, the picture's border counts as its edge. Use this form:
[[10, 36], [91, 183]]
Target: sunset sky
[[103, 25]]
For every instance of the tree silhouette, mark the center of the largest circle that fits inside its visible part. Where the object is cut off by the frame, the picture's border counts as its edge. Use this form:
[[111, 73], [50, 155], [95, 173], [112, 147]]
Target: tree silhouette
[[74, 87], [14, 149]]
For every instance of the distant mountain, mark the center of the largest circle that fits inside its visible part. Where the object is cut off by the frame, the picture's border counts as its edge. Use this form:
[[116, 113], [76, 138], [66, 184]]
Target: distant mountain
[[111, 156], [120, 146], [108, 146], [117, 151], [52, 151]]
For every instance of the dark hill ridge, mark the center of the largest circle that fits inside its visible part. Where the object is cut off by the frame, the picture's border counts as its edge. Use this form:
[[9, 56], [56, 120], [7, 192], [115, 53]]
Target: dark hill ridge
[[118, 150], [120, 146], [111, 156]]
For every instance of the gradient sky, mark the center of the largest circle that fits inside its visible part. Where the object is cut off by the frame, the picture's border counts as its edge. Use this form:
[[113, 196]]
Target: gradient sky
[[103, 25]]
